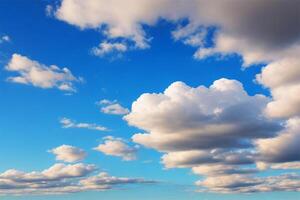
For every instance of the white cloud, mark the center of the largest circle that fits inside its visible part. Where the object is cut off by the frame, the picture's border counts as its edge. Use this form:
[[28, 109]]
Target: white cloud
[[284, 147], [286, 165], [237, 31], [205, 129], [249, 184], [104, 179], [68, 123], [236, 22], [4, 38], [60, 179], [282, 78], [196, 125], [219, 132], [118, 22], [185, 118], [112, 107], [106, 48], [68, 153], [117, 147], [31, 72]]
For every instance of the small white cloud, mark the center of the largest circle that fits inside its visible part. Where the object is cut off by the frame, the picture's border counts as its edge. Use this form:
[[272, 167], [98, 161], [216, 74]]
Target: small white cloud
[[106, 48], [31, 72], [117, 147], [68, 153], [49, 10], [68, 123], [106, 102], [4, 38], [115, 109], [112, 107]]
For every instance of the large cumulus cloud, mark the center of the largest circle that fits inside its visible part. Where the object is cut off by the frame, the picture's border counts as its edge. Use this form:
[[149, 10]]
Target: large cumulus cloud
[[185, 118], [219, 132]]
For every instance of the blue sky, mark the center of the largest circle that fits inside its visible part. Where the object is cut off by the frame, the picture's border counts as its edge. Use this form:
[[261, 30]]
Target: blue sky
[[31, 121]]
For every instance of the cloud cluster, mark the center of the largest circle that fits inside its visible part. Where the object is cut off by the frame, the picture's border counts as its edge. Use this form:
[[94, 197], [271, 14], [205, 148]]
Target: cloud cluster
[[117, 147], [68, 153], [259, 31], [61, 178], [111, 17], [248, 184], [31, 72], [68, 123], [219, 132], [220, 129], [112, 107]]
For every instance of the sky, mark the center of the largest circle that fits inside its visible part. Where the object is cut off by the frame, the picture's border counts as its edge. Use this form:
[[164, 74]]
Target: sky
[[140, 99]]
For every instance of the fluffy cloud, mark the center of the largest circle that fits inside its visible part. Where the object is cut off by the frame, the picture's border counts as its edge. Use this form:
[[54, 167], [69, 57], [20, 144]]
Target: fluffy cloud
[[111, 16], [249, 184], [282, 77], [185, 118], [61, 178], [219, 132], [112, 107], [31, 72], [68, 153], [284, 147], [105, 48], [117, 147], [68, 123], [4, 38], [238, 30]]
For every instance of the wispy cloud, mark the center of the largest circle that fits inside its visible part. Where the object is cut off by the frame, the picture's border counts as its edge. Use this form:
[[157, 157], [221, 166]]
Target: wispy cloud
[[110, 48], [112, 107], [68, 123]]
